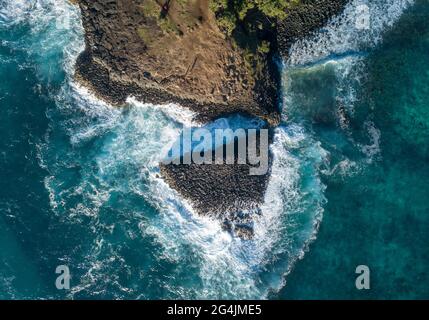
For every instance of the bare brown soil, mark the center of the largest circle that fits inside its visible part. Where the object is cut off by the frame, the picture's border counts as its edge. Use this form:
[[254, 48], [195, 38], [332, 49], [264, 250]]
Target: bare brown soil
[[175, 48]]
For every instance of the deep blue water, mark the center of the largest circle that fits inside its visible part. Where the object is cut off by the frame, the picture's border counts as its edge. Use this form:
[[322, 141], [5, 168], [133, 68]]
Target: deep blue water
[[79, 183], [380, 215]]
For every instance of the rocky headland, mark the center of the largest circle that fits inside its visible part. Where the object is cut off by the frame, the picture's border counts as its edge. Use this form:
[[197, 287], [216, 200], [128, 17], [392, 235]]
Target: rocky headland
[[215, 57]]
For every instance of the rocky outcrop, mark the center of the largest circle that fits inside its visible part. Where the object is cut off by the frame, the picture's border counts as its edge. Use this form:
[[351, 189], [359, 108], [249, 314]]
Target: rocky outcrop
[[308, 17], [227, 192], [132, 50]]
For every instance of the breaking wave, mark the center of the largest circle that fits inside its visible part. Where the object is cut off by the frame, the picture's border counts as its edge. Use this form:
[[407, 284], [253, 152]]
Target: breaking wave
[[345, 35]]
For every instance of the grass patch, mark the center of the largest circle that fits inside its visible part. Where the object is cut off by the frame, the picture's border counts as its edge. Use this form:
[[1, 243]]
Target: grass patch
[[147, 35], [230, 12], [151, 8]]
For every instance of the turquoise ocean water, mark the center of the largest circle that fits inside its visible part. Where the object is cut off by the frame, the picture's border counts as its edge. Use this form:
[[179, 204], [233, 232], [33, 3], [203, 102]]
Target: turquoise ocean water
[[79, 183]]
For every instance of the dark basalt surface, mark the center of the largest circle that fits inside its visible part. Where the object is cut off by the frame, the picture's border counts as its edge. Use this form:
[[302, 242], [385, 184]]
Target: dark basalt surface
[[112, 67], [226, 192], [97, 77], [310, 16]]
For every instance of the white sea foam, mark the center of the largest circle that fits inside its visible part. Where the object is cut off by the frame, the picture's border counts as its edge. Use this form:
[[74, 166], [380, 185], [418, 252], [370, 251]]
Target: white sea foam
[[342, 48], [293, 208], [175, 112], [36, 13], [48, 39], [13, 12], [371, 150], [341, 36], [337, 52], [127, 162]]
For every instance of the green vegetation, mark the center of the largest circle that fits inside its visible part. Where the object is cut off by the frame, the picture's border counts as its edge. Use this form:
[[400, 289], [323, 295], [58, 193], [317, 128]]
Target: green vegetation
[[231, 12], [251, 25], [167, 25], [264, 47], [151, 9], [147, 35]]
